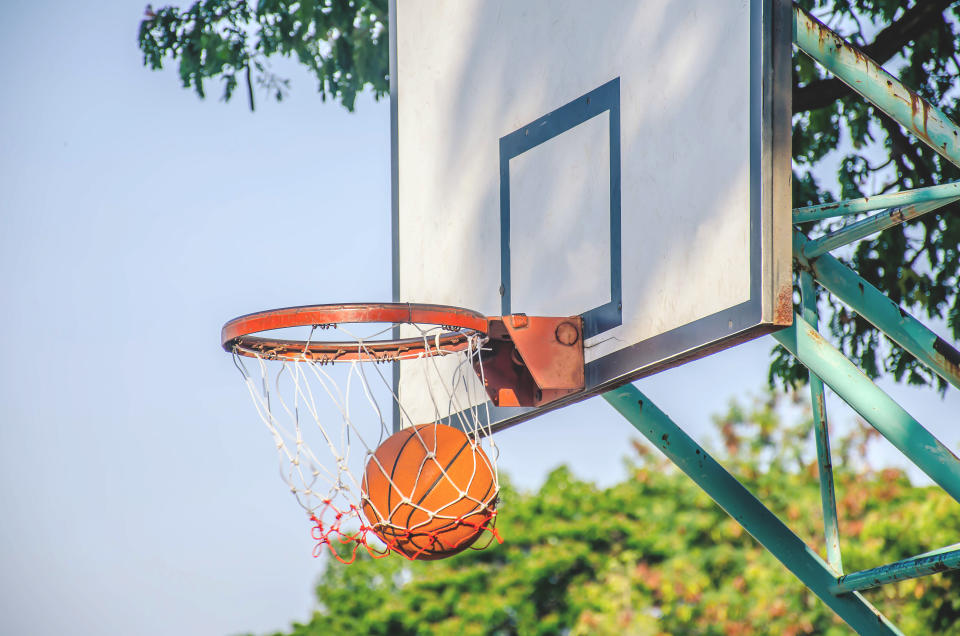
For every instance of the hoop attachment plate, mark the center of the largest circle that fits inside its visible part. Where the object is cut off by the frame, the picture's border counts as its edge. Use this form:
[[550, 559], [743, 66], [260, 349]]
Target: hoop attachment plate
[[536, 359], [459, 324]]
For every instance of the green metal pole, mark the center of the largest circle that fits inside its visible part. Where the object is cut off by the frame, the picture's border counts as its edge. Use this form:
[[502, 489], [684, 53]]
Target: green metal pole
[[899, 571], [870, 225], [746, 509], [879, 202], [828, 498], [875, 406], [883, 313], [868, 78]]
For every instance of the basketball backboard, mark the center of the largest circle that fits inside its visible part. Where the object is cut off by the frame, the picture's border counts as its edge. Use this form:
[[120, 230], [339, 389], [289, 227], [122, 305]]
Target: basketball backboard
[[627, 161]]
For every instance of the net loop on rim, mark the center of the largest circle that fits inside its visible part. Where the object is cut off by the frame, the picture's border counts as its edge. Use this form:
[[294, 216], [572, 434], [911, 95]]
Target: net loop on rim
[[327, 420]]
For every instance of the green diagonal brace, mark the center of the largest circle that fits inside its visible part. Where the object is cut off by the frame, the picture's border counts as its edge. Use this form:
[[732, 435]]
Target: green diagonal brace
[[882, 313], [878, 202], [883, 90], [746, 509], [821, 433], [865, 227], [873, 404], [942, 561]]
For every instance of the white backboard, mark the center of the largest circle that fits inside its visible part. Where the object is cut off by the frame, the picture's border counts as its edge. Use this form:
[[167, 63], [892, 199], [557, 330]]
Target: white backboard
[[624, 160]]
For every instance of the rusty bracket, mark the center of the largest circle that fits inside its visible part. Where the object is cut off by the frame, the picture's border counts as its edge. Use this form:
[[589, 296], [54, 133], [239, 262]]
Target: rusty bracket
[[535, 359]]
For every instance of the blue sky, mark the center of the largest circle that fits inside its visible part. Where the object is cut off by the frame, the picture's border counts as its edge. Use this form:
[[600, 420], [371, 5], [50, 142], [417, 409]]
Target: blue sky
[[140, 493]]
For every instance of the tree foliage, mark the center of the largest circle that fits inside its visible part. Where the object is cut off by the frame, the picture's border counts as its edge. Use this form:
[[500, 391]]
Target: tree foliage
[[654, 555], [916, 264], [344, 44]]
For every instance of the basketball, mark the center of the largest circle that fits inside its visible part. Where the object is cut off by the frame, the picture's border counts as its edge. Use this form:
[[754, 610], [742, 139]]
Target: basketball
[[429, 491]]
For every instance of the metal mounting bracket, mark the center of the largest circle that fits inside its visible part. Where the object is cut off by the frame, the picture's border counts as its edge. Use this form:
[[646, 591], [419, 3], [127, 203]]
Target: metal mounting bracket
[[534, 361]]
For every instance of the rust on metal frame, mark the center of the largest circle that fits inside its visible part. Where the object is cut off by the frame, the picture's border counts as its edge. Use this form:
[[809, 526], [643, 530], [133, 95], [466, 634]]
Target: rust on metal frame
[[921, 110], [948, 358], [783, 310], [534, 360]]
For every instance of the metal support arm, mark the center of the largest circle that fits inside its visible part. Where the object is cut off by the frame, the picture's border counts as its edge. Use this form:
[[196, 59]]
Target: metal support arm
[[879, 202], [746, 509], [875, 406], [882, 313], [821, 430], [868, 78], [940, 561], [870, 225]]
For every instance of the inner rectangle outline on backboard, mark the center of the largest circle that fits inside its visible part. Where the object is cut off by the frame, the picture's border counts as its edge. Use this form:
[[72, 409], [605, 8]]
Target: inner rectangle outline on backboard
[[605, 98]]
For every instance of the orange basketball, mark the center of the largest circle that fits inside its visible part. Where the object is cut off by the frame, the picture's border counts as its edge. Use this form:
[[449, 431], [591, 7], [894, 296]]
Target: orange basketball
[[429, 491]]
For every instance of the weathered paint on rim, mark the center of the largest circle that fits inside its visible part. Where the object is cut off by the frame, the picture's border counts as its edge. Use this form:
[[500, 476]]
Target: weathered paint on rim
[[236, 335]]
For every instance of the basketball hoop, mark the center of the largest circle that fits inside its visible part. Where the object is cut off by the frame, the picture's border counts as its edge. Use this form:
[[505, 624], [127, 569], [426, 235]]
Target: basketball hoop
[[461, 325], [317, 438]]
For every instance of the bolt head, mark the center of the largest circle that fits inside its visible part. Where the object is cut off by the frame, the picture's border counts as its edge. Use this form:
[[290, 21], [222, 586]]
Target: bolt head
[[567, 334], [519, 321]]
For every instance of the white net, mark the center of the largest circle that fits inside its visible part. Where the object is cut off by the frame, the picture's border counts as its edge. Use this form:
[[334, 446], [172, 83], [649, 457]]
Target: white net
[[430, 490]]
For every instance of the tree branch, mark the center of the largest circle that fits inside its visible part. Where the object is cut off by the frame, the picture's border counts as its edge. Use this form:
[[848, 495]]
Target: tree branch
[[904, 149], [250, 88], [915, 21]]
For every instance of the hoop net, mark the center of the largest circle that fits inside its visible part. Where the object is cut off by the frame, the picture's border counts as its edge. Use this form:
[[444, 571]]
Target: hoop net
[[328, 418]]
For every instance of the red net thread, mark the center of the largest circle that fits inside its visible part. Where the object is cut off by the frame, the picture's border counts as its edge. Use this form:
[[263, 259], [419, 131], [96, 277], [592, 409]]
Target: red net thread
[[328, 536]]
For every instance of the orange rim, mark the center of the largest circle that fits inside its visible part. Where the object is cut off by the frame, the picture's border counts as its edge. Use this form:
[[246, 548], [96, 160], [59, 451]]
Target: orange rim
[[460, 326]]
